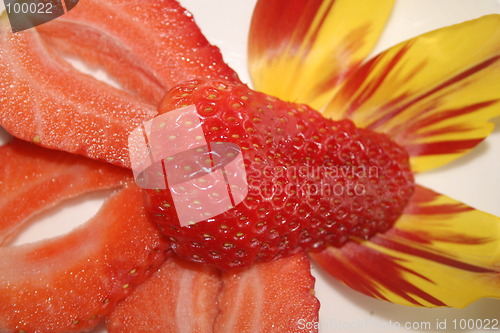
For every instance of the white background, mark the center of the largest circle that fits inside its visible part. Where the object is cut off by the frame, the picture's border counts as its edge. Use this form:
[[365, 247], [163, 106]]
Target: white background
[[473, 179]]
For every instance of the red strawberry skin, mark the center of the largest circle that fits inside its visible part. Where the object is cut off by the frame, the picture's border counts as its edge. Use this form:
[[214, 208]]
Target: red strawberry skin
[[312, 181]]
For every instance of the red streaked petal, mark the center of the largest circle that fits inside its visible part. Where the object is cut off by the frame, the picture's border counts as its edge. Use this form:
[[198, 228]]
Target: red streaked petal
[[300, 50], [439, 253], [433, 94]]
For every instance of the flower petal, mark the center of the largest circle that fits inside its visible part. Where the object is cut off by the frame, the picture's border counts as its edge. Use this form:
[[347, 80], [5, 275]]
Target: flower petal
[[433, 94], [301, 50], [440, 253]]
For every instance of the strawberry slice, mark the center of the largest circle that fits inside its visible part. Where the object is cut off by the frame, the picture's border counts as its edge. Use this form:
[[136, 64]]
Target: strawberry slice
[[47, 101], [158, 43], [68, 283], [276, 296], [180, 296], [34, 179], [268, 297]]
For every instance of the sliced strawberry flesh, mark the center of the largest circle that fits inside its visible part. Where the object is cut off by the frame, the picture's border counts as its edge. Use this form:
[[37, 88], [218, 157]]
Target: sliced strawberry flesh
[[54, 290], [276, 296], [157, 42], [45, 100], [34, 179], [185, 297], [180, 297], [68, 283], [50, 103]]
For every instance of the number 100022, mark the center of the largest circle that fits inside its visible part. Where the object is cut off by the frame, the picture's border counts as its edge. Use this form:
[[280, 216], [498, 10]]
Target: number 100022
[[29, 8]]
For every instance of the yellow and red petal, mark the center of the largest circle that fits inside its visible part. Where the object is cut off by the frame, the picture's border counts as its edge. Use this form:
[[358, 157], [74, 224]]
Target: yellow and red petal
[[433, 94], [301, 50], [412, 263]]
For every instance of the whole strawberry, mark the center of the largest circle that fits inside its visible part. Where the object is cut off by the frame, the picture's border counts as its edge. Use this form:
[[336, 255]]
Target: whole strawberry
[[312, 181]]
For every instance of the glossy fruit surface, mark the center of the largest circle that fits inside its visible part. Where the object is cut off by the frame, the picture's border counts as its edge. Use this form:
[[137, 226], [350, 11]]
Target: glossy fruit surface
[[311, 181]]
